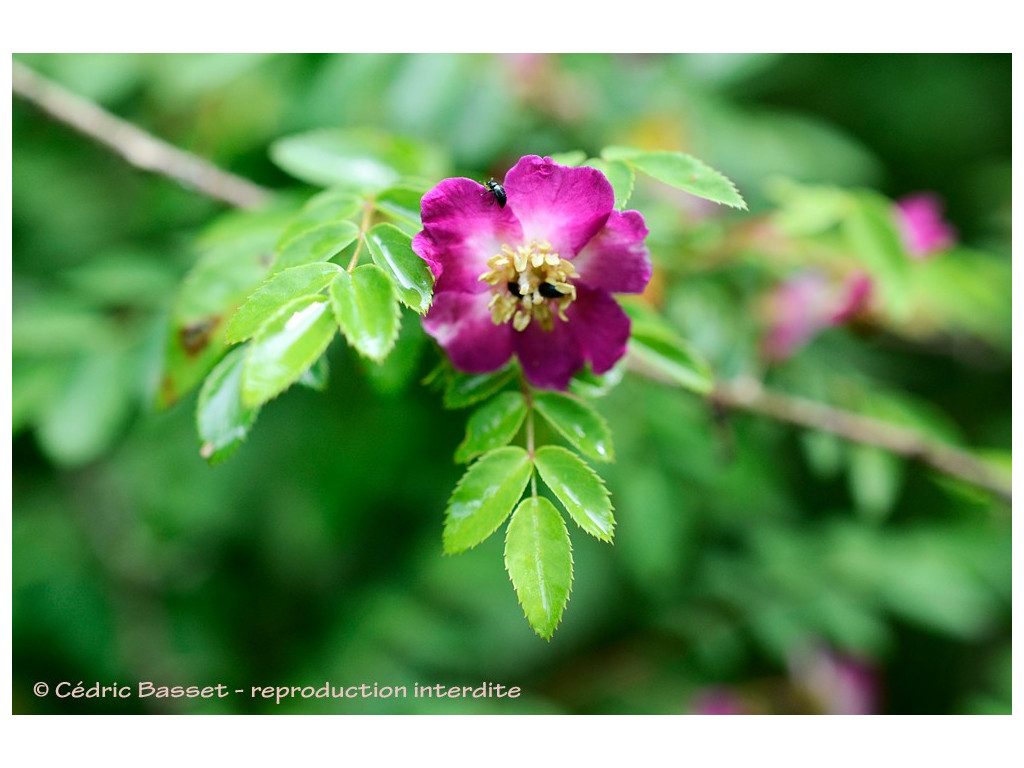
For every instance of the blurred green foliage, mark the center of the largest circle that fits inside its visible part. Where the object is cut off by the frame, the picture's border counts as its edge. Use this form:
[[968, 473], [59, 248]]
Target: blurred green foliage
[[314, 554]]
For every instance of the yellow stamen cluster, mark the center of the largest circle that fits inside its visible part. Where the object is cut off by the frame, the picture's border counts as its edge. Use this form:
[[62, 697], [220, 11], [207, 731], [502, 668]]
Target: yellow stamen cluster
[[530, 282]]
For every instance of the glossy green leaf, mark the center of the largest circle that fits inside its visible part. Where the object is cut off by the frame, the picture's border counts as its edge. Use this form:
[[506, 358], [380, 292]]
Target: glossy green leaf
[[579, 489], [367, 311], [391, 250], [872, 234], [658, 347], [352, 159], [221, 419], [621, 177], [492, 425], [317, 244], [278, 290], [401, 204], [538, 558], [484, 497], [328, 207], [235, 255], [578, 422], [465, 389], [680, 171], [285, 347]]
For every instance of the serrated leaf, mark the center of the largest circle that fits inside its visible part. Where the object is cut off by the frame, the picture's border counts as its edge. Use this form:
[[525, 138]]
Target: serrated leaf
[[401, 203], [492, 425], [578, 487], [278, 290], [221, 419], [621, 177], [317, 244], [658, 347], [367, 161], [538, 558], [328, 207], [465, 389], [484, 497], [871, 231], [367, 311], [285, 347], [577, 422], [392, 251], [680, 171]]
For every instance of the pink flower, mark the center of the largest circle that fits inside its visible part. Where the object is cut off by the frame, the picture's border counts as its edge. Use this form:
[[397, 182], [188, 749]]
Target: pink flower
[[925, 233], [807, 303], [838, 684], [718, 701], [533, 277]]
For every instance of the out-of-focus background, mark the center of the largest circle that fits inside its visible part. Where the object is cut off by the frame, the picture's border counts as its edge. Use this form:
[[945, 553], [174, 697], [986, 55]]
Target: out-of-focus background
[[757, 567]]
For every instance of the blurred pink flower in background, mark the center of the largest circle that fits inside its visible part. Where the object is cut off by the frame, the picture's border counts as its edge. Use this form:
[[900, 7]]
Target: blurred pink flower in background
[[836, 683], [806, 303], [718, 701], [925, 232]]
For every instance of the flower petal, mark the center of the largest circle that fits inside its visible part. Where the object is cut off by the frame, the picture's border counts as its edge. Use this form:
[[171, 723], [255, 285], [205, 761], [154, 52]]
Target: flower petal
[[463, 226], [548, 358], [462, 324], [600, 325], [565, 206], [617, 259]]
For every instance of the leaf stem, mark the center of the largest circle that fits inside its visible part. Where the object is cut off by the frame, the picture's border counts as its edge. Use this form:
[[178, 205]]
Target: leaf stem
[[364, 227]]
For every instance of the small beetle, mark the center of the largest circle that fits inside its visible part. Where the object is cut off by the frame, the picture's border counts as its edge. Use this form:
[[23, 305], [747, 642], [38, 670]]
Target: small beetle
[[548, 291], [498, 191]]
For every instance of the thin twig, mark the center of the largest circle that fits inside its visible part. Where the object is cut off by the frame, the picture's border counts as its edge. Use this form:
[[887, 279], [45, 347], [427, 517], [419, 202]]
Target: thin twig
[[748, 394], [139, 148]]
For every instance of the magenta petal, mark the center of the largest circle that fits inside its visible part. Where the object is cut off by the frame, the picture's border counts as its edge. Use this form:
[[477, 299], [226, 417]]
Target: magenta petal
[[463, 226], [600, 325], [616, 259], [462, 324], [548, 358], [565, 206]]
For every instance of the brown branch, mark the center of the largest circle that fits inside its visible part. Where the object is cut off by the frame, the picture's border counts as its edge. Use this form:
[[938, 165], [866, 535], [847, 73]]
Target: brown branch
[[748, 394], [139, 148]]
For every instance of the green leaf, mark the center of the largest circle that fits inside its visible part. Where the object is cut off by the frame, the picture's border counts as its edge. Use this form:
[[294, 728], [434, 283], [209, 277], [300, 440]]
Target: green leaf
[[872, 234], [391, 250], [578, 422], [285, 347], [538, 558], [484, 497], [465, 389], [221, 419], [366, 161], [875, 479], [621, 177], [658, 346], [680, 171], [91, 409], [328, 207], [492, 425], [579, 489], [367, 311], [573, 158], [401, 204], [318, 244], [275, 292]]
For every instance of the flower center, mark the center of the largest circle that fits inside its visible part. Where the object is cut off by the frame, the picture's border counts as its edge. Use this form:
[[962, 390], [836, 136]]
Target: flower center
[[529, 283]]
